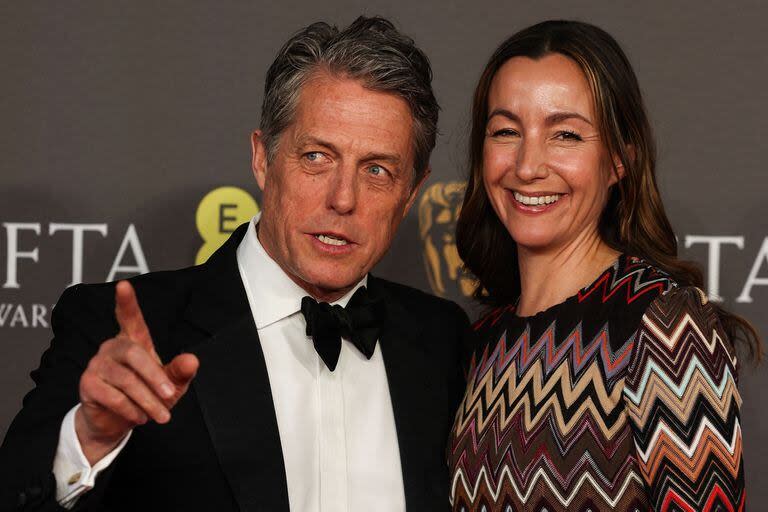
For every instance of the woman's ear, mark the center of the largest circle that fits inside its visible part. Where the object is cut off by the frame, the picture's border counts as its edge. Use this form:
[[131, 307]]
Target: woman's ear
[[618, 166]]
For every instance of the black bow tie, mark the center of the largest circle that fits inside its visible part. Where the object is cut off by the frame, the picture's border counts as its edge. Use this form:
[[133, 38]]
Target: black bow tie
[[359, 322]]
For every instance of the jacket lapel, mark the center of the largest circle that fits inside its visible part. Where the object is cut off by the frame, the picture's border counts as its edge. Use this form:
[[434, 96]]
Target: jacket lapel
[[232, 384], [411, 390]]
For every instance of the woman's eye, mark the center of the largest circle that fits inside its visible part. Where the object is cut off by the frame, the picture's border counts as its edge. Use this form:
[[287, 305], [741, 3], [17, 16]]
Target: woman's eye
[[504, 132], [568, 135]]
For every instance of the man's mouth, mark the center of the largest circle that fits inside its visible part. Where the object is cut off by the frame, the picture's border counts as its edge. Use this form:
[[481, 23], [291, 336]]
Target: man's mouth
[[331, 239]]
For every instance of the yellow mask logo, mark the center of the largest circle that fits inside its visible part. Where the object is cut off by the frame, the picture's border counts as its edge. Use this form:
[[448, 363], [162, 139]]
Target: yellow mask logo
[[218, 215], [439, 208]]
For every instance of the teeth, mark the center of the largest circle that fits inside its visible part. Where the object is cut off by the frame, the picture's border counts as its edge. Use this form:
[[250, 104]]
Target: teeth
[[536, 200], [330, 240]]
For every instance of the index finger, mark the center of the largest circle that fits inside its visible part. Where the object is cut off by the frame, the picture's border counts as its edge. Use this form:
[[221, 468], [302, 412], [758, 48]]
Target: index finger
[[130, 317]]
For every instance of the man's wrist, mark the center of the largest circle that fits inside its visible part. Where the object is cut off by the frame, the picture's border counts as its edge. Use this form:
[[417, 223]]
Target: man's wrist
[[74, 474], [93, 447]]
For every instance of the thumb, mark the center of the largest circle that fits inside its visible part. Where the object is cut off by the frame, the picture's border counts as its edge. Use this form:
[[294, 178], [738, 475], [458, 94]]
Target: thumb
[[182, 369]]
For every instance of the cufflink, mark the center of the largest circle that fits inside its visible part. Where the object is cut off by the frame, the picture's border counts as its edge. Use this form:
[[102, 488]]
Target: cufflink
[[74, 478]]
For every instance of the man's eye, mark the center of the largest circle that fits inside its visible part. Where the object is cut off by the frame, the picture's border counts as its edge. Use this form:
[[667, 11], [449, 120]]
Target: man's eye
[[377, 170], [313, 156]]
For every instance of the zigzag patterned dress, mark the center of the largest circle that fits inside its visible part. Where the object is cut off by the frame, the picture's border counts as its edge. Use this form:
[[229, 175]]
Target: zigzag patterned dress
[[623, 398]]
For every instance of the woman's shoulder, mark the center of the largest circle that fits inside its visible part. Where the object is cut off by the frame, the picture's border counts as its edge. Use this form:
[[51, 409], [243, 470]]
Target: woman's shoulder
[[683, 306], [681, 321], [630, 279], [663, 292], [620, 296]]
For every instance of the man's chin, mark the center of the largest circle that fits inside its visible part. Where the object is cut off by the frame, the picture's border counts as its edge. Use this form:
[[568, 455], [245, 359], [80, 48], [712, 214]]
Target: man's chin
[[331, 284]]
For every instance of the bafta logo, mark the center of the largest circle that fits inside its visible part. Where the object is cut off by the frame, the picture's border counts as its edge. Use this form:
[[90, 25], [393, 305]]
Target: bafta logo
[[438, 210]]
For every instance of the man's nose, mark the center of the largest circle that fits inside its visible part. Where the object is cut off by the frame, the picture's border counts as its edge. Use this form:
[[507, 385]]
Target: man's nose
[[531, 161], [342, 196]]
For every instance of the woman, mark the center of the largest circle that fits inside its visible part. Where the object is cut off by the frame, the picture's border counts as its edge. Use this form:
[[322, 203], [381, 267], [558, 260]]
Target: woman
[[603, 379]]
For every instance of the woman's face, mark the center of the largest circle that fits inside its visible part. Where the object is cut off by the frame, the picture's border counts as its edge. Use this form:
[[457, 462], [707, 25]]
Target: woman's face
[[546, 170]]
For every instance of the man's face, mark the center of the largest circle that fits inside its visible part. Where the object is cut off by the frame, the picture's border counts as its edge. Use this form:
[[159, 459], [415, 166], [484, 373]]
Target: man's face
[[338, 186]]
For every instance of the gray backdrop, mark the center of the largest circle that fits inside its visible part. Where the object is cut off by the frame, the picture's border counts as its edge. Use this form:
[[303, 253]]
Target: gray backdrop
[[118, 118]]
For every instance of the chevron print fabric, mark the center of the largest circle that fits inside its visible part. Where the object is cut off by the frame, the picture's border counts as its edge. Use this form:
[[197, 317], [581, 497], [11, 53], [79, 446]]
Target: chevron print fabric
[[623, 397], [683, 404]]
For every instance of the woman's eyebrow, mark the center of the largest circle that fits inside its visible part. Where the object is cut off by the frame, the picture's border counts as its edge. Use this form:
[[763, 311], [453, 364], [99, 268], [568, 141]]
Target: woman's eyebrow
[[557, 117], [504, 113], [553, 118]]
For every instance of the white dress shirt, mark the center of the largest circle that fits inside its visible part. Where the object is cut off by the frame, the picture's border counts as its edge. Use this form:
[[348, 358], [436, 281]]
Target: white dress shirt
[[337, 429]]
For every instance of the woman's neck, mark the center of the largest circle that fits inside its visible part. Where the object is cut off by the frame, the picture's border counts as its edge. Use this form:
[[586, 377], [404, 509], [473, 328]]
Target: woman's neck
[[548, 278]]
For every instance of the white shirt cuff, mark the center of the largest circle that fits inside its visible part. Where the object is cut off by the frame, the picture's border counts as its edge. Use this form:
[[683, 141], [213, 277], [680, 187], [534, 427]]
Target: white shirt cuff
[[74, 475]]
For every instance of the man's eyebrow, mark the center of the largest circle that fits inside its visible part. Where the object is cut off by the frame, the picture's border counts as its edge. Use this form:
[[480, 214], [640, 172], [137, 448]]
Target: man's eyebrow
[[310, 140], [385, 157], [553, 118]]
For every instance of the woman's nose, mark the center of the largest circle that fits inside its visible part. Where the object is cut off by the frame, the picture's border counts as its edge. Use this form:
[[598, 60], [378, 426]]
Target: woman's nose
[[531, 161]]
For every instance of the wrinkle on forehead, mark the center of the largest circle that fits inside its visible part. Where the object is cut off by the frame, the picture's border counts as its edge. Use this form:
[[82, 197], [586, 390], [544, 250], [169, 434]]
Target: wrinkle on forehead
[[344, 115]]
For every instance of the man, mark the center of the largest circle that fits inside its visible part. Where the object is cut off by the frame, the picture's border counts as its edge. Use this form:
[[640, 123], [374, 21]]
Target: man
[[270, 398]]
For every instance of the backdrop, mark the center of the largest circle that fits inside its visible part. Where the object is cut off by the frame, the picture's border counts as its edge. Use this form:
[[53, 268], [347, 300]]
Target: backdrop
[[121, 123]]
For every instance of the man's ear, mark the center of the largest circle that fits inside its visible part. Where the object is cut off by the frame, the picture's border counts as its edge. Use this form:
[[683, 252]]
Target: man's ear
[[258, 159], [415, 191]]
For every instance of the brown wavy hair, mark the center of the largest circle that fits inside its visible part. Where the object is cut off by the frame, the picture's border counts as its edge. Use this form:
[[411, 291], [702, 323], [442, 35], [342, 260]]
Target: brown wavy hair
[[634, 220]]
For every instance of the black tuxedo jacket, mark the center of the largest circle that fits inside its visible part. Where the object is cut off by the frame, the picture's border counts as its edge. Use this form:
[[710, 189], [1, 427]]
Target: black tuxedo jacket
[[221, 450]]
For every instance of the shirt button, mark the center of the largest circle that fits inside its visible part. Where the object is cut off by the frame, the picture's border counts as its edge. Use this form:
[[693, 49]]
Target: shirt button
[[74, 478]]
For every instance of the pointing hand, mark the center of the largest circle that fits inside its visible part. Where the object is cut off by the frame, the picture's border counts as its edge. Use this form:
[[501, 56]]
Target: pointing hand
[[125, 383]]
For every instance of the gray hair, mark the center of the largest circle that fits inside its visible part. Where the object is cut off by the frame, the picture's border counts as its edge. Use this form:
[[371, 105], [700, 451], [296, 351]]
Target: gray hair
[[371, 50]]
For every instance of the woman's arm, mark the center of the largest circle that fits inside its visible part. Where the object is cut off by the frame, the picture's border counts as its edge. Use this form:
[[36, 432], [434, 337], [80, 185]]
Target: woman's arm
[[683, 404]]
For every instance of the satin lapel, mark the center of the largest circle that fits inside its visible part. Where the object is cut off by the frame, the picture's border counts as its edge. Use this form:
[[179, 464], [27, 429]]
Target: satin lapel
[[232, 385], [408, 376]]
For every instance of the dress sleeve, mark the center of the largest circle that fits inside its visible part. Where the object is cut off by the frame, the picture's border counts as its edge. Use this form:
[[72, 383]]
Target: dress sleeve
[[683, 405]]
